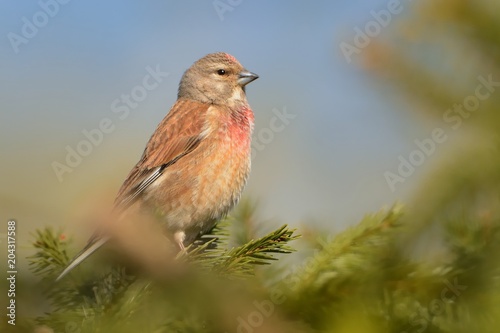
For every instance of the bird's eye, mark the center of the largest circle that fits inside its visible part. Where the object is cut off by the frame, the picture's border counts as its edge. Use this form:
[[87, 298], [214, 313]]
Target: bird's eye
[[221, 72]]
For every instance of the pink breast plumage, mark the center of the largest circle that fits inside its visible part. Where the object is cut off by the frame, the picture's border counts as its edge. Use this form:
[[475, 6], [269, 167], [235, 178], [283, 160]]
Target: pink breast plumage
[[240, 126]]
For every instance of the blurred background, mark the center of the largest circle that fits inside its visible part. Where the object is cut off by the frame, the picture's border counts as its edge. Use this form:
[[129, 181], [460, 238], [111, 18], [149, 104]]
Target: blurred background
[[66, 67], [359, 105]]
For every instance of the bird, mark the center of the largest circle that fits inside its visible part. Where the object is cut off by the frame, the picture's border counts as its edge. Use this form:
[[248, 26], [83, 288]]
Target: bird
[[197, 161]]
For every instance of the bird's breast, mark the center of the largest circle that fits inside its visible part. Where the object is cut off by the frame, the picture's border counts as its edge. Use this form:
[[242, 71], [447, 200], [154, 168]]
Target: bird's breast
[[227, 167], [239, 127]]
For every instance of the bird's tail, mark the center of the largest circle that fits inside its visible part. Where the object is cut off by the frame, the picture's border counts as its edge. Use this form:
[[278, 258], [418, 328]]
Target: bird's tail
[[93, 244]]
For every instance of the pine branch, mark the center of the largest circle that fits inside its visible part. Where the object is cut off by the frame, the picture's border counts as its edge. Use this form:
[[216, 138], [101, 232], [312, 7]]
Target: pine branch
[[92, 303], [73, 301], [240, 261], [349, 251], [51, 256], [348, 263]]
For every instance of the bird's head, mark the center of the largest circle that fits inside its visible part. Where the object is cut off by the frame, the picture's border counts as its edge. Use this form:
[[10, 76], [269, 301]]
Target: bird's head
[[215, 79]]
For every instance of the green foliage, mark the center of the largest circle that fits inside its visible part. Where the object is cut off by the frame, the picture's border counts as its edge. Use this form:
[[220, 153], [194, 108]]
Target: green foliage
[[361, 280], [240, 261], [92, 302], [51, 256], [353, 259]]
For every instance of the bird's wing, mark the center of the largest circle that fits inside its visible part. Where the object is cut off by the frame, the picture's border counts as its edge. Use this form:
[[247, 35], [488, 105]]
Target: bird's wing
[[178, 134]]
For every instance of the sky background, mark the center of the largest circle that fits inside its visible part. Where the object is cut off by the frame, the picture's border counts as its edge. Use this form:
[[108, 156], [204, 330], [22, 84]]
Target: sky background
[[325, 167]]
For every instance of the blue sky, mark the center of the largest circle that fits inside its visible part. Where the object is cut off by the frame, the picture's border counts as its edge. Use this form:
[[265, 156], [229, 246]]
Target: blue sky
[[327, 164]]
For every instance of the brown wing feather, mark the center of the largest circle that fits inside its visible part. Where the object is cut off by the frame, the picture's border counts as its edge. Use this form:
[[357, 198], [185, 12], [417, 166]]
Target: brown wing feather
[[177, 135]]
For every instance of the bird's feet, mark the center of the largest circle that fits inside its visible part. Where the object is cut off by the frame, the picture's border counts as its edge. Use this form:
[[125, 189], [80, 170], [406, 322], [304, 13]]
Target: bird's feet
[[179, 238]]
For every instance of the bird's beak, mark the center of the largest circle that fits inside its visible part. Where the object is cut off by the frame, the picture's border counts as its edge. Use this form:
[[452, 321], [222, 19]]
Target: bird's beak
[[245, 77]]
